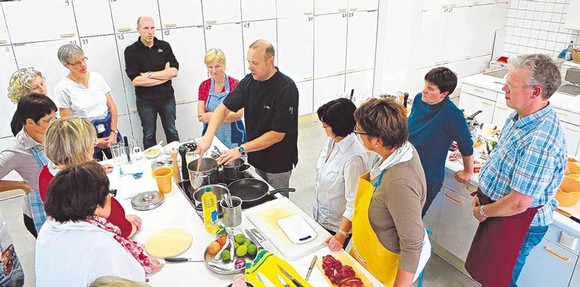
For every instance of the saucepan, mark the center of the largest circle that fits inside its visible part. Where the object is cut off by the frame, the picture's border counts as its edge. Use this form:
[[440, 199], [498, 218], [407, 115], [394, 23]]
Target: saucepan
[[253, 191], [203, 171], [235, 169], [218, 189]]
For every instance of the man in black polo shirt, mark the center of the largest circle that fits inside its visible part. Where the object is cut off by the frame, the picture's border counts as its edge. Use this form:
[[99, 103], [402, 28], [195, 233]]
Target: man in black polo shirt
[[270, 102], [150, 64]]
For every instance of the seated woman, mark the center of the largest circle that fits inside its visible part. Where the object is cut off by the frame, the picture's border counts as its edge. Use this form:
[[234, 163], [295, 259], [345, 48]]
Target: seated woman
[[22, 83], [86, 94], [69, 142], [388, 237], [341, 162], [77, 245], [212, 92]]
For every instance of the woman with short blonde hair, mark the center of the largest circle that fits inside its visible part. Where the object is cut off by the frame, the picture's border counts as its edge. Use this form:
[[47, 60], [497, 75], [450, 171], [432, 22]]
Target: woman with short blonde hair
[[22, 83]]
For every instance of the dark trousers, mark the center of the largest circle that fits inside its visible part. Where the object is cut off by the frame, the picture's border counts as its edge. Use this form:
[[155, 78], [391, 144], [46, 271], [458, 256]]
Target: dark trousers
[[148, 111], [29, 223], [433, 189]]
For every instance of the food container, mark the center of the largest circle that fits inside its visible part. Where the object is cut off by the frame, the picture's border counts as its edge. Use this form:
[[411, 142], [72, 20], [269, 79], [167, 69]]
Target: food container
[[203, 171], [576, 56], [153, 151], [567, 199]]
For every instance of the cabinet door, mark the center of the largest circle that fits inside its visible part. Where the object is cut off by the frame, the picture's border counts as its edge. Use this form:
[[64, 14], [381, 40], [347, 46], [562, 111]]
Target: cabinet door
[[572, 134], [189, 49], [228, 38], [8, 108], [575, 281], [362, 84], [501, 113], [455, 34], [89, 12], [470, 104], [431, 219], [176, 13], [253, 10], [432, 31], [329, 45], [363, 5], [53, 19], [221, 11], [253, 31], [327, 89], [360, 49], [124, 40], [291, 8], [42, 56], [435, 4], [330, 6], [456, 224], [186, 123], [4, 37], [548, 265], [99, 51], [124, 126], [480, 38], [305, 98], [135, 126], [573, 22], [296, 47], [126, 13]]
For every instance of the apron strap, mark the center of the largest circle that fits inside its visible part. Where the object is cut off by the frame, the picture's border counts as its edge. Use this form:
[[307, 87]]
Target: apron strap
[[36, 206]]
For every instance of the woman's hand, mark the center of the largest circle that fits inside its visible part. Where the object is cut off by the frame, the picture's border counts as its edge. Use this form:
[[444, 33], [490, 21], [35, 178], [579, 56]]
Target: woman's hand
[[108, 168], [204, 118], [135, 220], [335, 242], [112, 139]]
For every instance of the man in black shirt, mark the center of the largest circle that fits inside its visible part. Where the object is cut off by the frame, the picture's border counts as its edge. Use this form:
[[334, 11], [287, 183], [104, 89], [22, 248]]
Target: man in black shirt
[[270, 102], [151, 64]]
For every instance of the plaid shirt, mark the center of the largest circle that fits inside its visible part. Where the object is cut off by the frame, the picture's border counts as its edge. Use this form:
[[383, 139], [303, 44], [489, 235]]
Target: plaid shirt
[[529, 158]]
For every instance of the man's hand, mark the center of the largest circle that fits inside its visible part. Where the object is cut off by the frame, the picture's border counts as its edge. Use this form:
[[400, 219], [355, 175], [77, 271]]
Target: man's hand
[[463, 176], [229, 156], [204, 118], [103, 143], [167, 66], [335, 242], [108, 168], [203, 145], [112, 139], [476, 205], [27, 188]]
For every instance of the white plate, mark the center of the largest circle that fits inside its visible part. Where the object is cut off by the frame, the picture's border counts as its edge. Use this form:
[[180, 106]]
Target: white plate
[[153, 151]]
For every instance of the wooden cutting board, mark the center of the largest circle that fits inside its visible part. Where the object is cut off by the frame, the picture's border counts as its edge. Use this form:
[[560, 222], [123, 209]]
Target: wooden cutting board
[[265, 217], [169, 242], [345, 259]]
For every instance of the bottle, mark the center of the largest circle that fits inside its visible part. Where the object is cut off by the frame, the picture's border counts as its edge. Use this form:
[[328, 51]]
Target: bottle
[[210, 212], [568, 55]]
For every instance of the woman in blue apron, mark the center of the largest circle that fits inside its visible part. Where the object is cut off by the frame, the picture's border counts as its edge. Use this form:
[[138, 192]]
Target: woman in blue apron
[[212, 92]]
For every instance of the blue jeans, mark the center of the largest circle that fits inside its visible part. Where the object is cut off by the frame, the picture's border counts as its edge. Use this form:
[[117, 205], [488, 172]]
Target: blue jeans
[[148, 110], [533, 238]]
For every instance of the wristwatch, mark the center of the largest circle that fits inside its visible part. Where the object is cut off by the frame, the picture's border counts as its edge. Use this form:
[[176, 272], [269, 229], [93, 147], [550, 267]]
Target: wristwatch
[[115, 131], [481, 212], [241, 150], [149, 75], [340, 231]]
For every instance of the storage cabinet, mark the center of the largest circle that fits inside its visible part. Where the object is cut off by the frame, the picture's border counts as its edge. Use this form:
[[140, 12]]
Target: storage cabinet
[[4, 37], [123, 41], [176, 13], [253, 31], [329, 45], [8, 108], [221, 11], [253, 10], [89, 12], [431, 219], [573, 16], [327, 89], [295, 48], [360, 48], [362, 84], [305, 90], [126, 12], [228, 38], [472, 103], [330, 6], [291, 8]]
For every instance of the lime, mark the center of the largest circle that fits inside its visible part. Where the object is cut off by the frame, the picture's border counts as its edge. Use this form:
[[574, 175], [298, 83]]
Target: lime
[[241, 251], [247, 242], [252, 249], [240, 238], [226, 255], [236, 245]]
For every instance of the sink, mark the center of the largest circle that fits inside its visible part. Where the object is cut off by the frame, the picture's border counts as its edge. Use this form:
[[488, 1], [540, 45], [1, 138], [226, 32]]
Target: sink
[[569, 90], [498, 74]]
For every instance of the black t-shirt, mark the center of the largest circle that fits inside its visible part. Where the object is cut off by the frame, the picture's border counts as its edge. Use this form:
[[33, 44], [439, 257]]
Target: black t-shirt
[[141, 59], [270, 105]]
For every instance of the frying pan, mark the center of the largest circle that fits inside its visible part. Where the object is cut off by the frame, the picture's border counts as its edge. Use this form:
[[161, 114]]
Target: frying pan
[[252, 190]]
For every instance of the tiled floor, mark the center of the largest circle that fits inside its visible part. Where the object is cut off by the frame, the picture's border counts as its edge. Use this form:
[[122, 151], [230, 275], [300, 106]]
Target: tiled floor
[[310, 141]]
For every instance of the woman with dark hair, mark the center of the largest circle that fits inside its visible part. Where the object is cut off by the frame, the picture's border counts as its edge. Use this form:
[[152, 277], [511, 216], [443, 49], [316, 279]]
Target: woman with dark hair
[[388, 237], [77, 236], [341, 162]]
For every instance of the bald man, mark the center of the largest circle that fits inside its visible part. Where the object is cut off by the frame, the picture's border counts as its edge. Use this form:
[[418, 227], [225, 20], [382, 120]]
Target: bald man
[[151, 64], [270, 102]]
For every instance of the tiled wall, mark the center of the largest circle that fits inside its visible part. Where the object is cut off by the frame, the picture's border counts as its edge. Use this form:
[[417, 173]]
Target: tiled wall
[[537, 26]]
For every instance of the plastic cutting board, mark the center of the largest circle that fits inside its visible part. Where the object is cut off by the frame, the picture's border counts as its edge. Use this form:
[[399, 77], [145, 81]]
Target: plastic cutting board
[[266, 216]]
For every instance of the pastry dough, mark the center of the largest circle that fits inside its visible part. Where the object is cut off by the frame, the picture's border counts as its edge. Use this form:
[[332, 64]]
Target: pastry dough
[[169, 242]]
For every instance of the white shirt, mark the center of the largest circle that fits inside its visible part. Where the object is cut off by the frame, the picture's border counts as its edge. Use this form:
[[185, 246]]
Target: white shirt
[[88, 103], [77, 253], [337, 179]]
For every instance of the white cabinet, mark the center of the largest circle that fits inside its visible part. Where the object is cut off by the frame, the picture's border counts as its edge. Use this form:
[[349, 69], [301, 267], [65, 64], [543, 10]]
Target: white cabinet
[[124, 40], [360, 47], [228, 38], [572, 134], [501, 113], [291, 8], [431, 219], [330, 6], [471, 103], [89, 12], [135, 126], [327, 89], [457, 33], [253, 10], [124, 127], [480, 38], [186, 123], [30, 21], [362, 84], [126, 12], [221, 11], [259, 30], [295, 47], [435, 4], [8, 108], [189, 49], [573, 16], [575, 281], [329, 45], [305, 98], [176, 13], [432, 30], [363, 5], [99, 50], [4, 37]]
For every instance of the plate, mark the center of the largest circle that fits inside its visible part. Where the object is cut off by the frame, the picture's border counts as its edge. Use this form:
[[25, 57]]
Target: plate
[[170, 146], [218, 266], [153, 151], [169, 242], [345, 259]]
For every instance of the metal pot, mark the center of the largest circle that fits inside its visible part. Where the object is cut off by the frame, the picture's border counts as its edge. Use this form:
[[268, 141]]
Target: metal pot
[[217, 189], [235, 169], [207, 173]]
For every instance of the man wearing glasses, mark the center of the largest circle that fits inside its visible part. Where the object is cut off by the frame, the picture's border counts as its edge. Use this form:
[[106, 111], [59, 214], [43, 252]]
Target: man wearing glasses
[[151, 64], [515, 199]]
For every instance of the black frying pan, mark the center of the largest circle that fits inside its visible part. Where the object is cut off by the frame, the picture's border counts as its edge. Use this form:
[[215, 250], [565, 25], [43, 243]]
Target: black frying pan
[[252, 190]]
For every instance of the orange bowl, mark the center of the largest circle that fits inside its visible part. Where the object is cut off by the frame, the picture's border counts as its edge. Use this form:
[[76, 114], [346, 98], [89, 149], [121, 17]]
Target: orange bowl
[[567, 199]]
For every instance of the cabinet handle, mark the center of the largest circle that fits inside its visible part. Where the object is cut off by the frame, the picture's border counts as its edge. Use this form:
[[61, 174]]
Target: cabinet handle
[[501, 108], [562, 114], [308, 78], [477, 90], [210, 21], [350, 71], [486, 103], [308, 13], [453, 199], [123, 29], [2, 42], [571, 129], [341, 10], [340, 72], [170, 25], [353, 9], [69, 35], [565, 259], [471, 189], [444, 6]]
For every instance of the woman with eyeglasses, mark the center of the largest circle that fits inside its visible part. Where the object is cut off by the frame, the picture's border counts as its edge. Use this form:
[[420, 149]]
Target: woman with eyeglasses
[[86, 94], [388, 237], [24, 82], [71, 141], [340, 163], [212, 92]]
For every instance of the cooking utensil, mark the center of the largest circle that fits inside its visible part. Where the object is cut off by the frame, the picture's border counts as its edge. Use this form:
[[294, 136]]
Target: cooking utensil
[[283, 281], [233, 213], [235, 169], [184, 148], [218, 189], [290, 276], [311, 266], [203, 171], [252, 190], [182, 259], [254, 239], [147, 200]]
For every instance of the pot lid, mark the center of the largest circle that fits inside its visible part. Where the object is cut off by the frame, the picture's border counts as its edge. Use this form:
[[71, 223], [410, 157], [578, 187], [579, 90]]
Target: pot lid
[[147, 200]]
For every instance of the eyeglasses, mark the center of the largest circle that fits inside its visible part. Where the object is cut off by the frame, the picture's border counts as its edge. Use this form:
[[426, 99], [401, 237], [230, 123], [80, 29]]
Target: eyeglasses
[[81, 62], [357, 132], [50, 120]]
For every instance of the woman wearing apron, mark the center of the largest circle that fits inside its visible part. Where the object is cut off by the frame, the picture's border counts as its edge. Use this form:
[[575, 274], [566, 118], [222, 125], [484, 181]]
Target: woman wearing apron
[[87, 95], [388, 237], [212, 92]]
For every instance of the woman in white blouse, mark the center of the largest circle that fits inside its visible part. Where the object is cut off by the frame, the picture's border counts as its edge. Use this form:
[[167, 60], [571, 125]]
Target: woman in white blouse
[[342, 161], [87, 95]]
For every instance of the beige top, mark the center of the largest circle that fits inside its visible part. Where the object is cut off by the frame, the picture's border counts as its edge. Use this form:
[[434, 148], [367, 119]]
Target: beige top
[[395, 211]]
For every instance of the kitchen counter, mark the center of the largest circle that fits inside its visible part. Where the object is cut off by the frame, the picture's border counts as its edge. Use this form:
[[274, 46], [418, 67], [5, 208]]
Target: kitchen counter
[[177, 211]]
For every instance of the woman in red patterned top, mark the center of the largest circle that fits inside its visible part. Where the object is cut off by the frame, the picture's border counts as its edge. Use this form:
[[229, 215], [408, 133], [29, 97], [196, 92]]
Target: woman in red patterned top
[[72, 141], [212, 92]]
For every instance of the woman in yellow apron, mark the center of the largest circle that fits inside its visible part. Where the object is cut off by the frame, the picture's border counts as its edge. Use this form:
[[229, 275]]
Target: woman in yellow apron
[[388, 235]]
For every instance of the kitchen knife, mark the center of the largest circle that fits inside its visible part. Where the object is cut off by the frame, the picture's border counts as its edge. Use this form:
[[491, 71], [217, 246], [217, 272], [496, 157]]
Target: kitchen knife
[[290, 276], [310, 268], [182, 259], [283, 281], [254, 239]]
